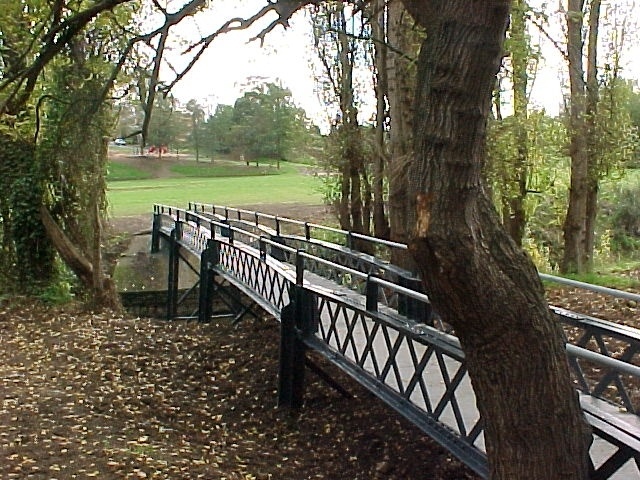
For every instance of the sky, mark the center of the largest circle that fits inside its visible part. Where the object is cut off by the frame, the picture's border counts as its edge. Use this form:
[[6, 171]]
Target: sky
[[222, 74], [220, 77], [552, 74]]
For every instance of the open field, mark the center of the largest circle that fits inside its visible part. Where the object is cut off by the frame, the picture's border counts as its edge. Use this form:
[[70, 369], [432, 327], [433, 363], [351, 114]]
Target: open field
[[176, 183]]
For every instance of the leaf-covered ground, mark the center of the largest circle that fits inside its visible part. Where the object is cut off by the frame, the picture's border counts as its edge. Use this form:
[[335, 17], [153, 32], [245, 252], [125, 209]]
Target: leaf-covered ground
[[96, 395]]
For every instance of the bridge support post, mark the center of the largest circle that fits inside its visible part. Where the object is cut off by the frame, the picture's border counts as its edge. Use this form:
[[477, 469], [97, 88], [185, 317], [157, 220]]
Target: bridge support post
[[208, 260], [411, 308], [277, 253], [298, 319], [174, 272], [155, 233]]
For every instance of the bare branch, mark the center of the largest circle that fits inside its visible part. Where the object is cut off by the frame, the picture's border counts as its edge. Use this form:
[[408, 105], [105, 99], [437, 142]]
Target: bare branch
[[285, 10], [554, 42]]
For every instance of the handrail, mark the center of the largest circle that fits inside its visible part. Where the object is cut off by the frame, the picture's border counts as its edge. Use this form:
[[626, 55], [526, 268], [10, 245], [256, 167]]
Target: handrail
[[594, 288], [371, 280], [413, 367], [552, 278], [308, 225]]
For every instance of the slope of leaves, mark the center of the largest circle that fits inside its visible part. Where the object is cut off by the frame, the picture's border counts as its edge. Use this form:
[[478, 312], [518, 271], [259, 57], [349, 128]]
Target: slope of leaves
[[95, 395]]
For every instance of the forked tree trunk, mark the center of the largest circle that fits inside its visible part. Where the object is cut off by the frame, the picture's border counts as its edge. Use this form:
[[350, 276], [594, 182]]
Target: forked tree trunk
[[102, 287], [476, 276]]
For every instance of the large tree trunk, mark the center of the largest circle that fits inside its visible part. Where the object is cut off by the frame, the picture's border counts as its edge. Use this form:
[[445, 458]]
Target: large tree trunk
[[574, 224], [477, 278]]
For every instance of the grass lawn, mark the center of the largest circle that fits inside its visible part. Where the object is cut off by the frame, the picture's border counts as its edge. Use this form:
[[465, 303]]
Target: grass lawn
[[135, 197], [208, 170], [121, 171]]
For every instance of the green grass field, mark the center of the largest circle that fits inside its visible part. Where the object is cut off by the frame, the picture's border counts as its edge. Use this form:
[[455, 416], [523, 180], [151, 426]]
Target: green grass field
[[118, 171], [207, 170], [135, 197]]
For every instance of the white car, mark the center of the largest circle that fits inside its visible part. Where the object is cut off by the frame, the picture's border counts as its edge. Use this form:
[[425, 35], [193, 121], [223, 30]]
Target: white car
[[120, 141]]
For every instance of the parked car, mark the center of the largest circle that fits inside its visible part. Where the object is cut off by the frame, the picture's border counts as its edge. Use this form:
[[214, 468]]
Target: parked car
[[120, 141]]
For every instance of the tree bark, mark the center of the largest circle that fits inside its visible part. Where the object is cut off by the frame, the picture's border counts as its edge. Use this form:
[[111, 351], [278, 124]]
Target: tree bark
[[403, 38], [476, 276], [574, 224], [593, 170]]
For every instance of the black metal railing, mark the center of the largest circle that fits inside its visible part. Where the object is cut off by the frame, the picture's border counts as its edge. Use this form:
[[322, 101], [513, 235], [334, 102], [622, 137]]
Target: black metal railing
[[414, 367]]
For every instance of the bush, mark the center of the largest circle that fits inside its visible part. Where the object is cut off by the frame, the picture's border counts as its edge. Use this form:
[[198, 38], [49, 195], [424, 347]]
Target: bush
[[625, 220]]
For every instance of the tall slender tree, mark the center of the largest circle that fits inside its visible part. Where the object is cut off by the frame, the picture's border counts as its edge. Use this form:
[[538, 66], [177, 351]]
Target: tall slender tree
[[378, 20], [574, 224], [340, 51], [196, 113], [404, 37]]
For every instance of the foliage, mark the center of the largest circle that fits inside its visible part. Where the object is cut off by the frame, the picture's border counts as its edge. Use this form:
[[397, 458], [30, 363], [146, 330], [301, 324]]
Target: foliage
[[266, 122], [197, 117], [625, 220], [217, 137], [546, 179], [165, 126], [616, 142], [26, 258], [60, 291]]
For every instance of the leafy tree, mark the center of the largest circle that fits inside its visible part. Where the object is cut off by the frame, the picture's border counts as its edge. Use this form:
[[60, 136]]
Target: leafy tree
[[196, 113], [216, 131], [546, 180], [75, 48], [266, 122], [165, 126], [634, 114], [76, 169]]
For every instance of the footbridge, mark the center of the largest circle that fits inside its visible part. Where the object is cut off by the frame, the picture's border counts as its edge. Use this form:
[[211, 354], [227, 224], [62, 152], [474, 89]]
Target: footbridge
[[371, 319]]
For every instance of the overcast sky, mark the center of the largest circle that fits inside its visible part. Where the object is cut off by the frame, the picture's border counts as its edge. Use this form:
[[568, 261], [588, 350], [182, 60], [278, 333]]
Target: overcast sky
[[221, 75]]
